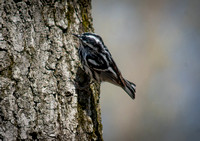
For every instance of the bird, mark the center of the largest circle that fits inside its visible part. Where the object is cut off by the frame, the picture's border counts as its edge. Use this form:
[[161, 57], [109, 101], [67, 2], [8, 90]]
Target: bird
[[98, 62]]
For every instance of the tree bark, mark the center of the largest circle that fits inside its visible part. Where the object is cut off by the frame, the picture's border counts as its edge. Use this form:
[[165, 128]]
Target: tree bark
[[40, 72]]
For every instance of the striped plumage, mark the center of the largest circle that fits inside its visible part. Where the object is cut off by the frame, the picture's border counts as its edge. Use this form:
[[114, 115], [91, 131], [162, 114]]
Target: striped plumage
[[98, 63]]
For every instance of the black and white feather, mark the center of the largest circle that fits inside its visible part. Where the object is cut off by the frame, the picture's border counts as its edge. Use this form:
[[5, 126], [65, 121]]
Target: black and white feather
[[99, 64]]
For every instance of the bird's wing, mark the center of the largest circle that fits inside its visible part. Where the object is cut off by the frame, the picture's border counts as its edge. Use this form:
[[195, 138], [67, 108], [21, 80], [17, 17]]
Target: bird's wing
[[105, 65], [97, 62]]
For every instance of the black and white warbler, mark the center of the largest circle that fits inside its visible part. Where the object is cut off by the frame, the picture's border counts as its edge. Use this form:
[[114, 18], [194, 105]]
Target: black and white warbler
[[99, 64]]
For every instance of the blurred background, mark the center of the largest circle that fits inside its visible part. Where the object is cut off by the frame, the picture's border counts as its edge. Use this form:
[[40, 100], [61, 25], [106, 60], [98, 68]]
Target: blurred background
[[156, 44]]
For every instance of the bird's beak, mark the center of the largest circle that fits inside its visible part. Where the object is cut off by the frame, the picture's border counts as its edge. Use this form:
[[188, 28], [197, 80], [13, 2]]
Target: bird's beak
[[76, 35]]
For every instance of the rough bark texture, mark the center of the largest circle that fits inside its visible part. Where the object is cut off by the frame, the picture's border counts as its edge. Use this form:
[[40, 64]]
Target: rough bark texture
[[38, 70]]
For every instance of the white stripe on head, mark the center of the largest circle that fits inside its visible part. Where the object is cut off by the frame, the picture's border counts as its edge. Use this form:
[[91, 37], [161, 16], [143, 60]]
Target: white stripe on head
[[95, 38]]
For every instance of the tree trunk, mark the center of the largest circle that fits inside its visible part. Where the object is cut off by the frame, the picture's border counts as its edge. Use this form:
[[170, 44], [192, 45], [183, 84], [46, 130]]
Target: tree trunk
[[40, 72]]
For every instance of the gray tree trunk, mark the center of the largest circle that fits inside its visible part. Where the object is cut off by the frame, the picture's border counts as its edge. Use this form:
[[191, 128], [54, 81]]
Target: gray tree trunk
[[39, 68]]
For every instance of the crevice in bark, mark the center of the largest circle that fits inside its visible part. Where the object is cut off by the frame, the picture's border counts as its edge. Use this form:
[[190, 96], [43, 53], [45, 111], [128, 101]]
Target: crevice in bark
[[33, 135]]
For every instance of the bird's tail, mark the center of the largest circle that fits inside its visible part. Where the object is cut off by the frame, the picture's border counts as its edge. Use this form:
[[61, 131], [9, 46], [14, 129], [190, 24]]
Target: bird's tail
[[130, 88]]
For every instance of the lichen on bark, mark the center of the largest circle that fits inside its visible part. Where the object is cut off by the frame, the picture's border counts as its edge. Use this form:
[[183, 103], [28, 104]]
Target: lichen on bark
[[39, 67]]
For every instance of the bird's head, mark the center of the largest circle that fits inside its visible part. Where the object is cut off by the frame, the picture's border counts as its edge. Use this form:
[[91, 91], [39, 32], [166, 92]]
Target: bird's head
[[91, 40]]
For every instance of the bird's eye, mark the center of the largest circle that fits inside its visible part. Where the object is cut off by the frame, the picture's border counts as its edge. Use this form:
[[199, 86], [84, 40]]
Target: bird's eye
[[84, 38]]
